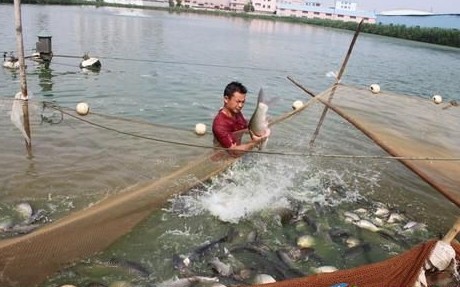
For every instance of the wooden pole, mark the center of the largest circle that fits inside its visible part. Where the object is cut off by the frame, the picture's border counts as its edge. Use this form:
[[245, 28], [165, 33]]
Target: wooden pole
[[339, 76], [452, 232], [22, 72]]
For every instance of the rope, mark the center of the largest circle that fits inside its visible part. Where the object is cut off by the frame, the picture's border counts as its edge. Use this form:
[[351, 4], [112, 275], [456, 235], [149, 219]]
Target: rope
[[178, 63], [62, 110], [131, 120]]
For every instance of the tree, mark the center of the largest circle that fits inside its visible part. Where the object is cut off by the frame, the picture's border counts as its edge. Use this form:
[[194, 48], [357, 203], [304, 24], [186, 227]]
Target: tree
[[248, 7]]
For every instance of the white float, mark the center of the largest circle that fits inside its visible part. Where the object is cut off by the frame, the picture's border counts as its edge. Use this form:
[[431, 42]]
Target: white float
[[263, 279], [200, 129], [437, 99], [375, 88], [324, 269], [90, 63], [11, 64], [82, 109], [297, 105]]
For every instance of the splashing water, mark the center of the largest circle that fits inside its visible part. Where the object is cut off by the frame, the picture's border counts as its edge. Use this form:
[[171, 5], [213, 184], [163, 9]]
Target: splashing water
[[261, 183]]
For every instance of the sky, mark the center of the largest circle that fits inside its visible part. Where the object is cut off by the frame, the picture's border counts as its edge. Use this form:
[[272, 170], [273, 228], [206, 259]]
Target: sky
[[435, 6]]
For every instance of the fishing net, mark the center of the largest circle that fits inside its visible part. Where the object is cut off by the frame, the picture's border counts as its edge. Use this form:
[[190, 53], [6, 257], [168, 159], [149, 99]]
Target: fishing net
[[432, 151], [401, 270], [397, 124], [99, 175], [103, 175]]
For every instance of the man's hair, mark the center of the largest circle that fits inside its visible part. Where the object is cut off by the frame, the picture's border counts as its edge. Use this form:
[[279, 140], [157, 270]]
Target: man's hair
[[234, 87]]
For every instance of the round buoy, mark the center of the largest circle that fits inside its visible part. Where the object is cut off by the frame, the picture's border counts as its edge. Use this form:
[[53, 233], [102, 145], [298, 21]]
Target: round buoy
[[437, 99], [91, 63], [263, 279], [375, 88], [82, 109], [200, 129], [297, 105]]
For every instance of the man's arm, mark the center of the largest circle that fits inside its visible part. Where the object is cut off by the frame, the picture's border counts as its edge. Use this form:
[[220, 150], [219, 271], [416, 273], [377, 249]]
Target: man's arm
[[238, 150]]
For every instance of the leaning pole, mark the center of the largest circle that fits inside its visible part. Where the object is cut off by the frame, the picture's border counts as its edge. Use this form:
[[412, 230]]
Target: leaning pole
[[22, 73]]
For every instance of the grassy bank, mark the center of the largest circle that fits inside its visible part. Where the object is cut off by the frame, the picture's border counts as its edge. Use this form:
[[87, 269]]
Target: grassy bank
[[445, 37]]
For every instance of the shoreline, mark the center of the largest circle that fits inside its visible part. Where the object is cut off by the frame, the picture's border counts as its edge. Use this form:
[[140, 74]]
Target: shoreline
[[437, 36]]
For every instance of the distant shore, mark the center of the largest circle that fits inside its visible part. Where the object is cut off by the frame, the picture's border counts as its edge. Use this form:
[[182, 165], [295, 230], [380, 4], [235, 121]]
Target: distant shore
[[438, 36]]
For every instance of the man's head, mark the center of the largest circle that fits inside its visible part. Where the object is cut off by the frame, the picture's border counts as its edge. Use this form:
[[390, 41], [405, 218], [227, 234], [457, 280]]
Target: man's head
[[234, 97]]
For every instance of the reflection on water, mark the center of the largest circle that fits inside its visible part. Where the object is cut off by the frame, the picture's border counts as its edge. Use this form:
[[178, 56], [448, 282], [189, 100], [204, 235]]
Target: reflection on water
[[46, 82]]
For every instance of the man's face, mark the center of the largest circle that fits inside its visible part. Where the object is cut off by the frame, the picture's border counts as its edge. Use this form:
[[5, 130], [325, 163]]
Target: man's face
[[236, 103]]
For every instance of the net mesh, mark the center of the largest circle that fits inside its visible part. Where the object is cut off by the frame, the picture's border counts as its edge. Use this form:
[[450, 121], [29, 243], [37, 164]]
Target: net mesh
[[397, 124], [102, 175], [401, 270], [160, 161]]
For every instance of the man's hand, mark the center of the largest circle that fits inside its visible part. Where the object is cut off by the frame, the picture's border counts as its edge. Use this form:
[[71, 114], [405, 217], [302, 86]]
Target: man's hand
[[256, 138], [238, 150]]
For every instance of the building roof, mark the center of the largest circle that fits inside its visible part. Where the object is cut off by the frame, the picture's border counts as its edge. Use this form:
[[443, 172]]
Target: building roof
[[404, 12], [330, 10]]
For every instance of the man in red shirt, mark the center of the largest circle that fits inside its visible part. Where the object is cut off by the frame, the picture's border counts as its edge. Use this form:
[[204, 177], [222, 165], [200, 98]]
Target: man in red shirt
[[230, 119]]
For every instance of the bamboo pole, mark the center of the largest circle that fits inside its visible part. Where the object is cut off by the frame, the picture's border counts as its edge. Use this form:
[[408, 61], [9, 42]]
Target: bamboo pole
[[339, 77], [450, 236], [22, 73]]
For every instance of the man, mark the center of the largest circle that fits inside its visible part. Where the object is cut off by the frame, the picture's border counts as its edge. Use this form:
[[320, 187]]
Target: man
[[230, 119]]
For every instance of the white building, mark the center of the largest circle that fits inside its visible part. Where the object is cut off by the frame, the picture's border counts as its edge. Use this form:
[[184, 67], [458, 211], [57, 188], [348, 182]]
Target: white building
[[346, 5], [207, 4], [329, 13], [264, 6], [344, 10]]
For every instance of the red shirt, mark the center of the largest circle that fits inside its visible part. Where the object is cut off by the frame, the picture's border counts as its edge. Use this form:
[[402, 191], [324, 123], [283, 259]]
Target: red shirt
[[224, 128]]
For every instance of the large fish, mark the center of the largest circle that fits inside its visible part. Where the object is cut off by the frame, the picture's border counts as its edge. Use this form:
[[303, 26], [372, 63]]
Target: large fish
[[17, 114], [258, 124], [182, 262]]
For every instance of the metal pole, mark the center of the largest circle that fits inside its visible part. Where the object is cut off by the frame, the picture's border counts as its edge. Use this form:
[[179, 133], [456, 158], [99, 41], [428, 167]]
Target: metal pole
[[22, 72]]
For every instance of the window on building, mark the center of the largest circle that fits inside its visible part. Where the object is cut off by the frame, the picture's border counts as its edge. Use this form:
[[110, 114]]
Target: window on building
[[316, 13], [353, 17], [329, 14], [340, 16]]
